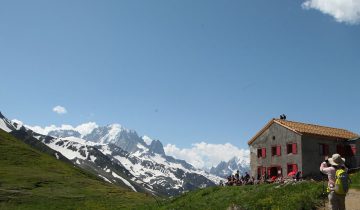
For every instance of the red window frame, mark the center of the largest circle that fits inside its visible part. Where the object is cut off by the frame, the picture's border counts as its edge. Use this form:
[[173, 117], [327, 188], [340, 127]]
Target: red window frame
[[261, 152], [276, 150], [291, 148], [261, 170], [292, 167]]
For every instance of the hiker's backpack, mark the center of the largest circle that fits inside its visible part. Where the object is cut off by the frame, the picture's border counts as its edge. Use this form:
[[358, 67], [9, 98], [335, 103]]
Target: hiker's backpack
[[342, 182]]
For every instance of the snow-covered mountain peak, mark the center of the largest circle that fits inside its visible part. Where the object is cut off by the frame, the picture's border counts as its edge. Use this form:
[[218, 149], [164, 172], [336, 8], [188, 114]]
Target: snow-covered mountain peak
[[147, 139], [86, 128], [240, 160], [17, 123], [157, 147], [6, 124], [114, 131], [224, 169]]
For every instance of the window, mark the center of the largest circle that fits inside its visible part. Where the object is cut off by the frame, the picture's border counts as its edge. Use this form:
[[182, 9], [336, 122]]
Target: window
[[340, 149], [291, 148], [261, 152], [273, 151], [261, 171], [323, 149], [292, 168], [258, 153], [350, 150], [276, 150]]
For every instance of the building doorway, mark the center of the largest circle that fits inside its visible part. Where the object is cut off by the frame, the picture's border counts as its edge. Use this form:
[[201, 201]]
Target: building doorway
[[275, 171]]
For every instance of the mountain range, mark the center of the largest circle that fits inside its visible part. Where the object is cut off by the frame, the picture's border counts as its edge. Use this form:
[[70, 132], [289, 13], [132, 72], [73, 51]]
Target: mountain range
[[226, 168], [118, 156]]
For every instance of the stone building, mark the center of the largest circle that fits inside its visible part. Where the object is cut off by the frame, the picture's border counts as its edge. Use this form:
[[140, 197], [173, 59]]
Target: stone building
[[284, 146]]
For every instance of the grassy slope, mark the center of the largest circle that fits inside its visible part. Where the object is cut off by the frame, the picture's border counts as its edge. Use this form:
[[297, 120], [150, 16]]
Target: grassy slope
[[305, 195], [30, 179], [355, 181]]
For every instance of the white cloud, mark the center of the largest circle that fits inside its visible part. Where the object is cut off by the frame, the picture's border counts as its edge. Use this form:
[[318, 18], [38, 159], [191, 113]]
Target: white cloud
[[204, 155], [83, 129], [60, 110], [86, 128], [347, 11]]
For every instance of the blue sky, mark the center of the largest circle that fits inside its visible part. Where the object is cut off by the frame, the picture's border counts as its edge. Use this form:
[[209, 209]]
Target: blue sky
[[179, 71]]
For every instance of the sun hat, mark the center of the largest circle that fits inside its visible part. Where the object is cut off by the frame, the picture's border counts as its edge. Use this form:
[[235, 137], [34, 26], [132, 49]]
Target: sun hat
[[336, 160]]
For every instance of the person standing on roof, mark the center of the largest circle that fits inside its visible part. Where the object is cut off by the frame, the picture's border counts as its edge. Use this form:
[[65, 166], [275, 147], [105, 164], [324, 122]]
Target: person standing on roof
[[329, 167]]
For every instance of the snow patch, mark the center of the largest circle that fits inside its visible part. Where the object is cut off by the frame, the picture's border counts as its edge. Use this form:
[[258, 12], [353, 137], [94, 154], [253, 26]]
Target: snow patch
[[104, 178], [147, 140], [3, 125], [92, 158], [64, 149], [18, 123], [142, 147], [124, 180]]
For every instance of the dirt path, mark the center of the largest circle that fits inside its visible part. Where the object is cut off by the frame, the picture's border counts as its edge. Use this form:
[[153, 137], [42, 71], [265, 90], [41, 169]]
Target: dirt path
[[352, 201]]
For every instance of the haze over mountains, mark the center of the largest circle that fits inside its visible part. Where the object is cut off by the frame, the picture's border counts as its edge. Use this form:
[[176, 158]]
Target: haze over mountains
[[120, 156]]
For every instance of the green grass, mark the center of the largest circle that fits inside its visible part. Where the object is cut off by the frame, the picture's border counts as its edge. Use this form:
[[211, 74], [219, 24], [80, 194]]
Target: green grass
[[304, 195], [30, 179], [355, 181]]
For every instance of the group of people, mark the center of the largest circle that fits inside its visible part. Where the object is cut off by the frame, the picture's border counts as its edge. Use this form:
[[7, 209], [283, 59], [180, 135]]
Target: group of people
[[237, 180]]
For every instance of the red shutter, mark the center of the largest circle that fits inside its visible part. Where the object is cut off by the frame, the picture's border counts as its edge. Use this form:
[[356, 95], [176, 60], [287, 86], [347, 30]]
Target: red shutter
[[278, 150], [263, 152], [294, 148], [295, 168], [353, 149], [326, 149]]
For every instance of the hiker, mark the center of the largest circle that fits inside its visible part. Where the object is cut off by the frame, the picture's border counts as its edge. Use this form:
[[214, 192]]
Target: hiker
[[329, 168], [237, 175], [247, 176], [297, 176]]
